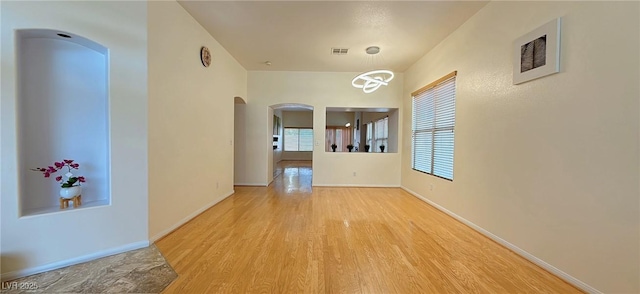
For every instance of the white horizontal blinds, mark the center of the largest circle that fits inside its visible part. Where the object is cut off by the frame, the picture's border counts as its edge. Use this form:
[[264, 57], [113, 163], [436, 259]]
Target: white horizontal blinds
[[443, 154], [422, 125], [445, 105], [422, 151], [291, 139], [298, 139], [305, 140], [433, 128]]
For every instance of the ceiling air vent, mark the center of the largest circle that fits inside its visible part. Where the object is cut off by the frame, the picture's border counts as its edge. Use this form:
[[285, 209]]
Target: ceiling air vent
[[339, 51]]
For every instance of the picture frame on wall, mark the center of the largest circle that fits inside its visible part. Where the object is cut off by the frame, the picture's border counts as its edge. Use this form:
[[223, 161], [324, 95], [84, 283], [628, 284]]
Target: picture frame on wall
[[276, 125], [537, 53]]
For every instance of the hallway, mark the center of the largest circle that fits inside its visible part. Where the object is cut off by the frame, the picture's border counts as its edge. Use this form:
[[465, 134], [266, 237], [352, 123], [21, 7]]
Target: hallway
[[293, 176], [289, 238]]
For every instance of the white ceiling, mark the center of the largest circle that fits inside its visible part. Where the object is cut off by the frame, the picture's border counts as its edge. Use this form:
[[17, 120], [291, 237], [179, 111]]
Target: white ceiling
[[299, 35]]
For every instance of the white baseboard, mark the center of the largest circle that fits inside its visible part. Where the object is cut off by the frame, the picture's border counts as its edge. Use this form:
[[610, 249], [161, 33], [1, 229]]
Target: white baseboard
[[251, 184], [189, 217], [356, 185], [76, 260], [541, 263]]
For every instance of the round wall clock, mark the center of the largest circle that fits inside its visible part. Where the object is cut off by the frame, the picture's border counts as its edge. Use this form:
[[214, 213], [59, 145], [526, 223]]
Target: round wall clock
[[205, 56]]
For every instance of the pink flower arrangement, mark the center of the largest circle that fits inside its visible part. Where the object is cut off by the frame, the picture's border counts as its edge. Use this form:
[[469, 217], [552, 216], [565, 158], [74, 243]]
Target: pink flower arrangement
[[69, 164]]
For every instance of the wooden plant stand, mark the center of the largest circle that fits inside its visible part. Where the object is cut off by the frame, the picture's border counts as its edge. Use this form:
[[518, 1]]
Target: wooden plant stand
[[76, 200]]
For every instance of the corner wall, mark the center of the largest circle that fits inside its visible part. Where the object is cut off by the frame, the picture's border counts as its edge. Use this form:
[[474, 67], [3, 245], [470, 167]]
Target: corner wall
[[191, 118], [38, 243], [551, 165]]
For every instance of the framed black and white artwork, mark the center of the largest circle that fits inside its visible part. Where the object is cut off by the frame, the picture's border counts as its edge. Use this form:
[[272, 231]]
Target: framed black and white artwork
[[537, 54]]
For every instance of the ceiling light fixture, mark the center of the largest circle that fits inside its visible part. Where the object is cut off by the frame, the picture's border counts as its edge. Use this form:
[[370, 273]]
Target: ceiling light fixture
[[347, 125], [372, 80]]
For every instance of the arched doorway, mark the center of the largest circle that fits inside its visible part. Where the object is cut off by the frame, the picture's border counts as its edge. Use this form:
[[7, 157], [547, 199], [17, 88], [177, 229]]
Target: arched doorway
[[291, 159], [239, 136]]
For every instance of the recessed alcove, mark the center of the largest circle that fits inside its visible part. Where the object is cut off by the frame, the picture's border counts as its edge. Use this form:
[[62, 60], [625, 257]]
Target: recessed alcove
[[63, 113]]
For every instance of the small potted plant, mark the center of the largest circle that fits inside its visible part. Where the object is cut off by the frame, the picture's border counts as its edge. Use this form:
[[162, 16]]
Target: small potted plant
[[333, 147], [382, 148], [350, 147], [70, 187], [366, 148]]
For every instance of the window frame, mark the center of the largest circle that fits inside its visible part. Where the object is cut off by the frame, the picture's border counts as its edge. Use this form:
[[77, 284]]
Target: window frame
[[385, 134], [284, 139], [434, 129]]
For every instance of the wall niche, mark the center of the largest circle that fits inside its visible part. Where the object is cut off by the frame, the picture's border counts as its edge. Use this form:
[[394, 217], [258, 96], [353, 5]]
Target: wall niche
[[63, 113]]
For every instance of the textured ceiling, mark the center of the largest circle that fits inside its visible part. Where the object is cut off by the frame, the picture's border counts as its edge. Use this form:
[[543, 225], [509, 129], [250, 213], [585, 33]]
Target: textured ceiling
[[299, 35]]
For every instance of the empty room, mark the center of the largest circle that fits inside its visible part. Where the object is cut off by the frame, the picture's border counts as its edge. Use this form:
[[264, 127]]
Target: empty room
[[320, 146]]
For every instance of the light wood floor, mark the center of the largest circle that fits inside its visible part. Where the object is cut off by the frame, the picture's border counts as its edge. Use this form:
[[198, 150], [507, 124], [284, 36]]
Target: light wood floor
[[289, 238]]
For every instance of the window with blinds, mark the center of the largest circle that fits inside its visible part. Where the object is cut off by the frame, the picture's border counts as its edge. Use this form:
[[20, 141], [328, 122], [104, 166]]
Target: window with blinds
[[381, 134], [433, 122], [298, 139]]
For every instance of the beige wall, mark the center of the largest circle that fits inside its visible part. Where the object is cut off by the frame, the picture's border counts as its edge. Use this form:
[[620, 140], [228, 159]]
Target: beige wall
[[33, 244], [368, 117], [191, 117], [310, 88], [551, 165], [340, 118], [297, 119]]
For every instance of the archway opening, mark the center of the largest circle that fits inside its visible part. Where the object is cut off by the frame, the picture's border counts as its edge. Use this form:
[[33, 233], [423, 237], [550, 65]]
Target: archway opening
[[239, 137], [293, 144]]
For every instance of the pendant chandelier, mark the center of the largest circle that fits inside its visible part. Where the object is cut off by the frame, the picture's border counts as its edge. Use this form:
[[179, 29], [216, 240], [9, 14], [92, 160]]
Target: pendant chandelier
[[372, 80]]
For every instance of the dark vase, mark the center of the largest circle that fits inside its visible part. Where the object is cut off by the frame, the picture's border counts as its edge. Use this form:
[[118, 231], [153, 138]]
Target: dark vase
[[382, 148], [334, 148], [350, 148], [366, 148]]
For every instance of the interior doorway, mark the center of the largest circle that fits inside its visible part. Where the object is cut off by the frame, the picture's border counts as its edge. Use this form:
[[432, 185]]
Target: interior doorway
[[291, 159], [239, 137]]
